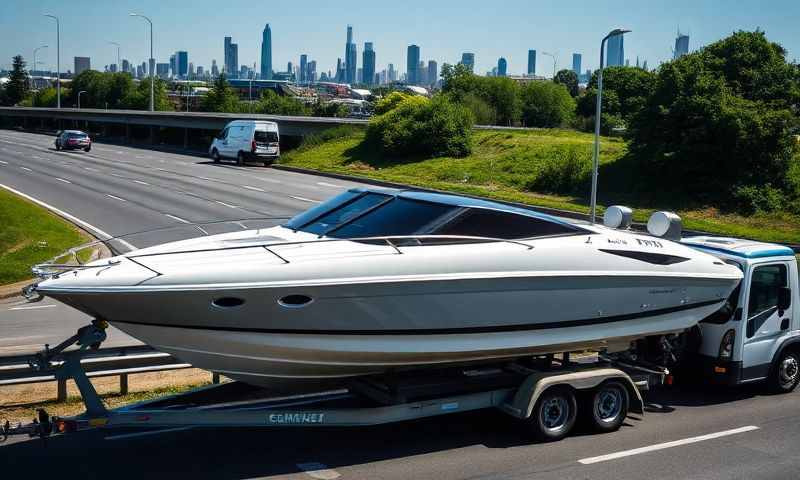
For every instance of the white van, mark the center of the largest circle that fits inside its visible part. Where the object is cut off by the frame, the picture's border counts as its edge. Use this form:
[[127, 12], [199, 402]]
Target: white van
[[247, 140]]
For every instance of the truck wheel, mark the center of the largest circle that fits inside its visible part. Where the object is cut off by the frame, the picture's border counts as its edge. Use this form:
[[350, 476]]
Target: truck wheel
[[215, 155], [240, 159], [58, 147], [785, 374], [607, 406], [554, 414]]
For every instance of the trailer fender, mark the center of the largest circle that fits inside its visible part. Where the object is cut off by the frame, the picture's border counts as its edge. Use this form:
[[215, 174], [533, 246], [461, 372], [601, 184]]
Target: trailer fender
[[535, 384]]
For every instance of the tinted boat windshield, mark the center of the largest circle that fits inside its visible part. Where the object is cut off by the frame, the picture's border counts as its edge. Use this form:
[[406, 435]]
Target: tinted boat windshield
[[355, 214]]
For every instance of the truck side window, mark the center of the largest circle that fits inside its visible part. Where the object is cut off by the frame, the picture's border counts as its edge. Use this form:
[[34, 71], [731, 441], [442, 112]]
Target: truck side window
[[764, 288], [223, 134]]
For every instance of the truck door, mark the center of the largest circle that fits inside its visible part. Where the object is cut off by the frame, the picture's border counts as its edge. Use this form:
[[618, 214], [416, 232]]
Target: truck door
[[764, 322]]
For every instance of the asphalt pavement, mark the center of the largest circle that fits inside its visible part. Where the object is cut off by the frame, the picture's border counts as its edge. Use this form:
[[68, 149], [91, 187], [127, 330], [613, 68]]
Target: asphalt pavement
[[689, 432]]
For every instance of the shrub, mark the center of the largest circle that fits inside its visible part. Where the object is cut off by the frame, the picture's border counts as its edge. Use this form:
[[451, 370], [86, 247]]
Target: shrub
[[546, 104], [390, 102], [273, 104], [484, 113], [752, 199], [565, 171], [421, 126]]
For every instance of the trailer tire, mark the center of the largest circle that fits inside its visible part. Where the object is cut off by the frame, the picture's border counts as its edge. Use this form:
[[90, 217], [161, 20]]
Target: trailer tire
[[554, 414], [785, 373], [606, 406]]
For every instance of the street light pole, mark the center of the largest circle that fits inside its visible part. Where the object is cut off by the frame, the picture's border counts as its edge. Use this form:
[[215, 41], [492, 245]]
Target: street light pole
[[118, 65], [555, 60], [597, 114], [150, 64], [79, 98], [35, 62], [58, 59]]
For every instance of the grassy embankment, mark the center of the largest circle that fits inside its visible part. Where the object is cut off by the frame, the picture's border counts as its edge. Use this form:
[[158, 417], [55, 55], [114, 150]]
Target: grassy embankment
[[30, 234], [522, 166]]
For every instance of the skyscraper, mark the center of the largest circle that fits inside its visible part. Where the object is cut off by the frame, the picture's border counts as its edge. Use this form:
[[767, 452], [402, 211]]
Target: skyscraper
[[422, 74], [350, 61], [616, 51], [681, 45], [391, 73], [231, 58], [412, 64], [369, 64], [214, 68], [126, 66], [502, 67], [468, 60], [82, 64], [311, 76], [303, 68], [531, 62], [182, 60], [162, 70], [173, 66], [433, 72], [190, 74], [266, 53], [339, 77], [576, 63]]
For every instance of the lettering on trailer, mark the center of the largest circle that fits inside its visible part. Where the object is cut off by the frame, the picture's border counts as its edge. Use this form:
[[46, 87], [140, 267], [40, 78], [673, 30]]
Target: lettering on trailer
[[296, 418], [617, 241], [649, 243]]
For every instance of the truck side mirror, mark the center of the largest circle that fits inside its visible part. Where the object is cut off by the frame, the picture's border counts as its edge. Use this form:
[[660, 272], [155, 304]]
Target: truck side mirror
[[784, 298]]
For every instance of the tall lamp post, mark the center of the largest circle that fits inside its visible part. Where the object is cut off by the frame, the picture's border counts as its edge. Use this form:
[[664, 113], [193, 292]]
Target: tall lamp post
[[598, 111], [118, 65], [79, 98], [58, 59], [35, 62], [555, 60], [150, 65]]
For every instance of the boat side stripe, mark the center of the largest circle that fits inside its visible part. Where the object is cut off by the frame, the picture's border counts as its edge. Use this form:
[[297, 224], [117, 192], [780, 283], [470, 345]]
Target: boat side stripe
[[447, 331]]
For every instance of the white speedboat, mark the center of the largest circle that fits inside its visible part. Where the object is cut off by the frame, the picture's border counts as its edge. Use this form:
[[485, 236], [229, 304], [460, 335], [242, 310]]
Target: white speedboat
[[376, 279]]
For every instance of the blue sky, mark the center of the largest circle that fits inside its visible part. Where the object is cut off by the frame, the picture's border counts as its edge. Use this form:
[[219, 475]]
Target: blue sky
[[443, 29]]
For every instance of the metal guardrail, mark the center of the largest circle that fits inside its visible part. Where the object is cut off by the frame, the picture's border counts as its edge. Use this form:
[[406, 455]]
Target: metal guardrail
[[106, 362]]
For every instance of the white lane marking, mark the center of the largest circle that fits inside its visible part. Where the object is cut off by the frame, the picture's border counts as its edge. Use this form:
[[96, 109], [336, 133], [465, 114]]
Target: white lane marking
[[88, 226], [226, 204], [17, 152], [141, 182], [37, 157], [318, 470], [91, 169], [144, 434], [119, 151], [204, 178], [182, 163], [161, 170], [662, 446], [269, 180], [253, 188], [6, 163], [115, 197], [177, 218], [304, 199], [115, 174], [141, 156], [324, 184], [35, 307], [26, 169], [62, 180]]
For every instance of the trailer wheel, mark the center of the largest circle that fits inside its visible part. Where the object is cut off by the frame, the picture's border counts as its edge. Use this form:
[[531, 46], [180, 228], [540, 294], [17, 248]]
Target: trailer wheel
[[554, 414], [607, 406], [785, 374]]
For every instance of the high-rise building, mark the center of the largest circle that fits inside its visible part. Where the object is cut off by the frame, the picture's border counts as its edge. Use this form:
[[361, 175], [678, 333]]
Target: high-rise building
[[126, 66], [616, 51], [139, 71], [412, 65], [214, 68], [162, 70], [422, 74], [231, 58], [82, 64], [369, 64], [339, 77], [350, 61], [266, 53], [113, 67], [391, 73], [644, 65], [173, 65], [190, 74], [311, 76], [468, 59], [502, 67], [681, 45], [303, 68], [201, 72], [433, 72], [531, 62], [576, 63], [182, 61]]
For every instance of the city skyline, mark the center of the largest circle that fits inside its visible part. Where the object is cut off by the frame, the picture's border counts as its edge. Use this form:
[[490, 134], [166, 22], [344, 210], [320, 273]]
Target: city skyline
[[488, 41]]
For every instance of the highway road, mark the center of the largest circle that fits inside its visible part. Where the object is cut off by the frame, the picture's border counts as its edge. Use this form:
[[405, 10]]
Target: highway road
[[118, 190], [686, 433]]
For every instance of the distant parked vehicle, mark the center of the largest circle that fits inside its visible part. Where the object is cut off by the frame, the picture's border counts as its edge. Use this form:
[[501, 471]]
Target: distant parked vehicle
[[247, 140], [73, 139]]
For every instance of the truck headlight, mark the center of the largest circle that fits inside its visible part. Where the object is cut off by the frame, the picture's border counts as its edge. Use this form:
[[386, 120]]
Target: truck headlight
[[726, 345]]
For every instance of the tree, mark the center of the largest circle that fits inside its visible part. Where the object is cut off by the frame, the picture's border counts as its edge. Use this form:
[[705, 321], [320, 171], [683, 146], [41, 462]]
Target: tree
[[273, 104], [546, 104], [625, 91], [719, 123], [569, 79], [139, 97], [499, 93], [220, 97], [18, 85]]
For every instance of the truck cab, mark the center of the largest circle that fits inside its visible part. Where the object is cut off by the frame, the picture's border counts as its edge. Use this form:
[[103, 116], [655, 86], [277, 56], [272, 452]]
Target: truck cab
[[755, 337]]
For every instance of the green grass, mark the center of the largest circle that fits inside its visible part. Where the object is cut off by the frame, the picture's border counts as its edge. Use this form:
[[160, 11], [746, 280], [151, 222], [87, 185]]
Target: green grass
[[522, 166], [30, 234]]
